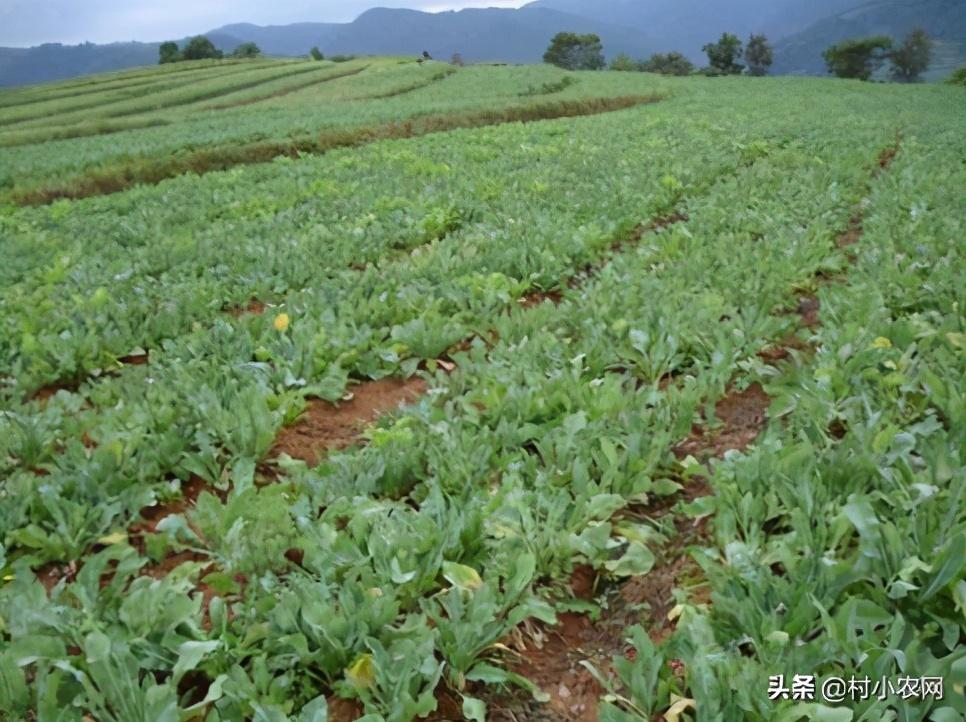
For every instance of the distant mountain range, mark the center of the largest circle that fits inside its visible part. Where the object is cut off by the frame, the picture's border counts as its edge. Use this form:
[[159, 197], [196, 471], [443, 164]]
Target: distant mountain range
[[800, 31]]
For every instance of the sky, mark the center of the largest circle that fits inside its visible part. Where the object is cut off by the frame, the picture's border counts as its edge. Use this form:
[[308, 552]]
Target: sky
[[31, 22]]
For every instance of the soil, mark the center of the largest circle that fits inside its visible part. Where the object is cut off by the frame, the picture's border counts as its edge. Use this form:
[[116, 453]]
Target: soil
[[742, 413], [889, 154], [253, 308], [344, 710], [535, 298], [151, 516], [134, 359], [853, 233], [328, 427], [46, 393], [50, 574], [808, 308]]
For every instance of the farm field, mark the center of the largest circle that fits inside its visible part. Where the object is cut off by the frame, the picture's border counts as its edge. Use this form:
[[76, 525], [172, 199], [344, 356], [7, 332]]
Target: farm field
[[382, 390]]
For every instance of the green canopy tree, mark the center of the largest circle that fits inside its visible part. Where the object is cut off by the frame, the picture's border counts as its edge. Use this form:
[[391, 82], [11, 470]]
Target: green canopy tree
[[169, 53], [246, 50], [912, 58], [723, 56], [858, 58], [625, 63], [316, 53], [575, 52], [200, 48], [672, 63], [759, 55]]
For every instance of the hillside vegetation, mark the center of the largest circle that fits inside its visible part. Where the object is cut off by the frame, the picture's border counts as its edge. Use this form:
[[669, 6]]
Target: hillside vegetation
[[388, 390], [800, 31], [943, 20]]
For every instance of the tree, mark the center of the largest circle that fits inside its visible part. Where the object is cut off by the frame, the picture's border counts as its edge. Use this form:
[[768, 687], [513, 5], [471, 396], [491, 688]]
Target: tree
[[759, 55], [575, 52], [316, 54], [246, 50], [671, 64], [958, 77], [911, 59], [858, 57], [457, 60], [169, 53], [200, 48], [625, 62], [723, 56]]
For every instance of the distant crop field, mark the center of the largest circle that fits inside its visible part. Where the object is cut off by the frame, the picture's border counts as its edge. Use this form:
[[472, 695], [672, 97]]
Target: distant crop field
[[388, 390]]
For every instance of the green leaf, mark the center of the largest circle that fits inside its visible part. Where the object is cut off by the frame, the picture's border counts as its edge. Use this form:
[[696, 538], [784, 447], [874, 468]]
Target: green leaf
[[637, 560], [818, 712], [97, 647], [951, 562], [190, 655], [315, 711], [474, 709], [462, 576]]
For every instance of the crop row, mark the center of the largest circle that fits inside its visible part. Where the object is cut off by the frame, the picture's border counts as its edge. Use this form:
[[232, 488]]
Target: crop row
[[63, 111], [10, 97], [505, 474], [334, 106], [176, 95], [839, 542]]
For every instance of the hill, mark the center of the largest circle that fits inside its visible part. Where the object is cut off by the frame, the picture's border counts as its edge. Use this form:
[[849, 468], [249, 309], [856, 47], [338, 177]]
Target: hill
[[800, 31], [686, 25], [944, 20], [53, 61], [491, 34]]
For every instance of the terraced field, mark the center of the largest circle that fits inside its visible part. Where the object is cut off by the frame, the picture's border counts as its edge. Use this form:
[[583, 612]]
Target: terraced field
[[491, 393]]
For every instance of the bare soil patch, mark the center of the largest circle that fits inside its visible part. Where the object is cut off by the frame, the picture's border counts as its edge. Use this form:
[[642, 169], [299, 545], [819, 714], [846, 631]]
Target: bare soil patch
[[135, 359], [852, 234], [743, 415], [252, 308], [151, 516], [535, 298], [46, 393], [328, 427]]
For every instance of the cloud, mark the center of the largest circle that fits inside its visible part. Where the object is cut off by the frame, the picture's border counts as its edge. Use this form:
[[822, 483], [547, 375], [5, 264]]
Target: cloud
[[31, 22]]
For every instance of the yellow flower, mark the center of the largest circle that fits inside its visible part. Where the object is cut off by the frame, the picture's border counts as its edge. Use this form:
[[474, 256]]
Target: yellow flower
[[882, 343], [362, 673], [281, 322]]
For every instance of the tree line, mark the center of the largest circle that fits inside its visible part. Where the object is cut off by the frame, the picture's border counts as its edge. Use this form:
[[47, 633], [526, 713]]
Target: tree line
[[586, 52], [861, 58], [201, 48], [857, 58]]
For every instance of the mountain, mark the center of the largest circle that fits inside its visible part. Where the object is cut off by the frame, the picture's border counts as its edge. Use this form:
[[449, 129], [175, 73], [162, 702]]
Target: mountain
[[52, 61], [687, 25], [943, 20], [295, 39], [799, 30], [491, 34]]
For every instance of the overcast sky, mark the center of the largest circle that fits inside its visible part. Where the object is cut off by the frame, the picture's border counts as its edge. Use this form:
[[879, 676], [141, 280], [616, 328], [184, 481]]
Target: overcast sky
[[31, 22]]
